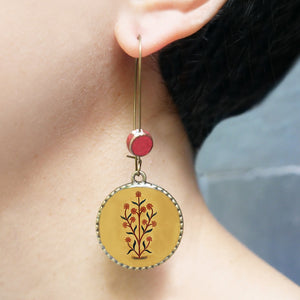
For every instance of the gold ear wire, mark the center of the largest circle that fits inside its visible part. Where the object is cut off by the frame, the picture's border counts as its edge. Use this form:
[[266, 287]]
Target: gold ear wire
[[137, 96], [137, 89]]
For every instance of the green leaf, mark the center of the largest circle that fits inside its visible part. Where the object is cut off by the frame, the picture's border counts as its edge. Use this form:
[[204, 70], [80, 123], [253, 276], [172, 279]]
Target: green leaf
[[148, 216], [143, 228], [148, 251], [129, 232], [135, 228], [144, 245], [154, 214], [134, 243], [142, 201], [129, 251], [129, 216], [149, 230], [123, 218], [135, 203]]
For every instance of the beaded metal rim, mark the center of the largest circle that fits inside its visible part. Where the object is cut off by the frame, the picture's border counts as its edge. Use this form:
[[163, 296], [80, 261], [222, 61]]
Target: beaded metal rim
[[131, 185]]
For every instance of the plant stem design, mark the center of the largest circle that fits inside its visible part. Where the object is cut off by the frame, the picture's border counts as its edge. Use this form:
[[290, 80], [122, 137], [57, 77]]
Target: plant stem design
[[139, 222]]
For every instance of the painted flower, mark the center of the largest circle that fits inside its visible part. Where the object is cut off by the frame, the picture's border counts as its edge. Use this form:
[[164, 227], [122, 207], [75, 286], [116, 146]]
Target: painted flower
[[144, 222], [138, 194], [127, 239], [153, 223], [149, 206], [126, 206], [143, 209], [149, 238], [133, 211], [124, 224], [132, 219]]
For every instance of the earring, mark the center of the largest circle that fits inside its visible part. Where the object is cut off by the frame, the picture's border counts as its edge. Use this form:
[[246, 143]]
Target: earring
[[139, 225]]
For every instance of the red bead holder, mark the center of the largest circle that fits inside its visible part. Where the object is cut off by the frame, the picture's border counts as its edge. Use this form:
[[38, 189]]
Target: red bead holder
[[139, 225], [139, 142]]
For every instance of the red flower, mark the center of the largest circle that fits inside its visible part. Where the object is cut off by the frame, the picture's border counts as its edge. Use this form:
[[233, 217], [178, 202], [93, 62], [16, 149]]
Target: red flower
[[144, 222], [132, 219], [133, 211], [124, 224], [149, 238], [128, 240], [143, 209], [149, 206], [126, 206], [138, 194], [153, 223]]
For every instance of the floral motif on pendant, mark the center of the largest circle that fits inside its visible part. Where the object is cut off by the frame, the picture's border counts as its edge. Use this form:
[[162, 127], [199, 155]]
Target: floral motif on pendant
[[138, 220]]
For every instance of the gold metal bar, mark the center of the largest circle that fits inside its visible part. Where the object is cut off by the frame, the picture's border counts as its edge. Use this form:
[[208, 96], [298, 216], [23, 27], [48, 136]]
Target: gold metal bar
[[134, 94], [139, 83]]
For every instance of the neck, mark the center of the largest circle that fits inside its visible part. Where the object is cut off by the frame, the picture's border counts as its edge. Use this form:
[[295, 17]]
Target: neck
[[86, 159], [57, 195], [49, 203]]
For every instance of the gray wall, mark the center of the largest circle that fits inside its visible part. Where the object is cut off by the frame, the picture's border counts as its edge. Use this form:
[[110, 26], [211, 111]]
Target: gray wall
[[249, 174]]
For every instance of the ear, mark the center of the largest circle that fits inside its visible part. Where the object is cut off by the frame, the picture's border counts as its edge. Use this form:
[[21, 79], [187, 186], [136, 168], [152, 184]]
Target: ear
[[160, 22]]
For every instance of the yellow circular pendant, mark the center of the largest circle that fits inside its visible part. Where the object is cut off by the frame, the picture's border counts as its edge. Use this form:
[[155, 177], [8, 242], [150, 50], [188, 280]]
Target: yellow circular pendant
[[139, 225]]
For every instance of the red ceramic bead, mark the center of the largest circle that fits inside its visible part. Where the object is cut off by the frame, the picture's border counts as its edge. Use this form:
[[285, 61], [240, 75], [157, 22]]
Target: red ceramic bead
[[139, 142]]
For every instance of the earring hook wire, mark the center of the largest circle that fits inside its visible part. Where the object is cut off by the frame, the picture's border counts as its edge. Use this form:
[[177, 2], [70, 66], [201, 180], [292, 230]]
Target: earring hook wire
[[137, 96]]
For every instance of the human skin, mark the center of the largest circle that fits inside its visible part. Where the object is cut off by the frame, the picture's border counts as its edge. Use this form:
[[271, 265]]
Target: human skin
[[66, 110]]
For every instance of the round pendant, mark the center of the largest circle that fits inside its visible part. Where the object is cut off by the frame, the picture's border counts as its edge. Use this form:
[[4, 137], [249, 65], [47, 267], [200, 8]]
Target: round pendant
[[139, 225]]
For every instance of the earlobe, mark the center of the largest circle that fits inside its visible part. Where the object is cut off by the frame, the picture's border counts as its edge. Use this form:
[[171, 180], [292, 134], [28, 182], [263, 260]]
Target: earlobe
[[161, 22], [157, 28]]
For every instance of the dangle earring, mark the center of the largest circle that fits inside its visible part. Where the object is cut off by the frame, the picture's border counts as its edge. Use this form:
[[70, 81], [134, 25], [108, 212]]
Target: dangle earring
[[139, 225]]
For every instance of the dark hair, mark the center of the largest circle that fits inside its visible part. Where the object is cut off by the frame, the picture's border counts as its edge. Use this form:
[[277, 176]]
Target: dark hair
[[232, 63]]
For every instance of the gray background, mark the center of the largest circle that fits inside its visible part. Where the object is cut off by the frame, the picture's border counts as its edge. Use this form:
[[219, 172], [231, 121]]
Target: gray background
[[249, 174]]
